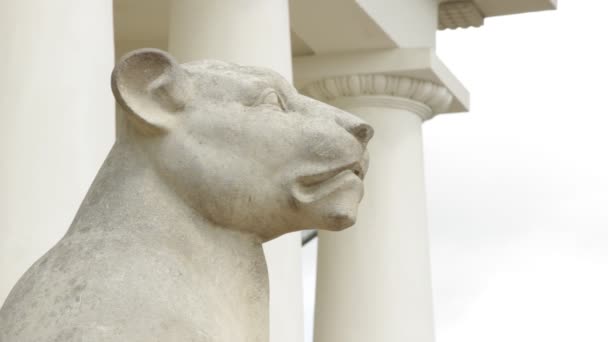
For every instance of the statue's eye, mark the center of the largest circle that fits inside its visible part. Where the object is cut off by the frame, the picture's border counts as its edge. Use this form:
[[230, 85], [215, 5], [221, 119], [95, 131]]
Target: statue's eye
[[274, 99]]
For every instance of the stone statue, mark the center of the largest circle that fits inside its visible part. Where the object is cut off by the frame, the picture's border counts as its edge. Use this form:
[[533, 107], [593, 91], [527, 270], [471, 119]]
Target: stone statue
[[214, 160]]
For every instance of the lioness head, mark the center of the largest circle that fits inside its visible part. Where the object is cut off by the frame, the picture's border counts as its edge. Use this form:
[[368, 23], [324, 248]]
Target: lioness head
[[240, 146]]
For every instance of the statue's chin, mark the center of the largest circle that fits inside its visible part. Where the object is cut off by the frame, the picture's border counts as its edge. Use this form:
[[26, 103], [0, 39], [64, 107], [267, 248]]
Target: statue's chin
[[340, 222], [338, 210]]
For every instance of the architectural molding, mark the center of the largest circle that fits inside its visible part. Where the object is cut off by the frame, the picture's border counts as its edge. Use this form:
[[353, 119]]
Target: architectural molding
[[459, 14], [493, 8], [422, 97], [418, 64], [419, 109]]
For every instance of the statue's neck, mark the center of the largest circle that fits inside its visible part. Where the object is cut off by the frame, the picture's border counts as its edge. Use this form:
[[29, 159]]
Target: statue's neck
[[128, 198], [128, 194]]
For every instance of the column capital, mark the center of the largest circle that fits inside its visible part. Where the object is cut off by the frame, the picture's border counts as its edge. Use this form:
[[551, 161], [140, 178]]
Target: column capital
[[424, 98], [413, 74]]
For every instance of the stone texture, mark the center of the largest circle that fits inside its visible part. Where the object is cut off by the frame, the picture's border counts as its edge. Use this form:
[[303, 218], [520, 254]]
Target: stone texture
[[213, 160]]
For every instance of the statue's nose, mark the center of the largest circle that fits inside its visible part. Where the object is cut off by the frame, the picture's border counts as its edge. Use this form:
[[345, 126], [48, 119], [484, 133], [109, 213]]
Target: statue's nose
[[362, 131], [355, 126]]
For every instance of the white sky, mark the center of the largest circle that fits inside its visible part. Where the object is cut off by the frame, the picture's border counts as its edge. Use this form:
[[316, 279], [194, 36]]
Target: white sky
[[518, 187]]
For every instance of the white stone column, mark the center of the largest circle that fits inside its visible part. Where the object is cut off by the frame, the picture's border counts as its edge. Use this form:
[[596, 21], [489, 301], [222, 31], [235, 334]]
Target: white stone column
[[56, 121], [250, 33], [373, 280]]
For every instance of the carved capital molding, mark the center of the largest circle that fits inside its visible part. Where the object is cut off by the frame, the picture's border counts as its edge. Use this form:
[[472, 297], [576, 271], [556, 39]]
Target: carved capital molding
[[459, 14], [423, 98]]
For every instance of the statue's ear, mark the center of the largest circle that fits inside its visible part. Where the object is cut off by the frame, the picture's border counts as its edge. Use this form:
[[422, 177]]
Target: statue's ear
[[150, 86]]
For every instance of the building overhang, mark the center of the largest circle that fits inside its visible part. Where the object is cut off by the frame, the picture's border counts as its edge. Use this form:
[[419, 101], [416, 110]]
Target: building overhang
[[343, 37], [345, 25]]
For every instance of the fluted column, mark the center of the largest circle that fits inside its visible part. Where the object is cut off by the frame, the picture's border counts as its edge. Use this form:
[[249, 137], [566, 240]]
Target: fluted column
[[56, 121], [373, 280], [249, 33]]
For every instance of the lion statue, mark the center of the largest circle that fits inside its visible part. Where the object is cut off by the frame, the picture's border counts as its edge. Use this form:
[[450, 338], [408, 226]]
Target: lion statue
[[215, 159]]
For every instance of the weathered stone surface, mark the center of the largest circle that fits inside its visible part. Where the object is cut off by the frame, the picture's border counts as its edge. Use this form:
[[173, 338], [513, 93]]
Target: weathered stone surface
[[213, 160]]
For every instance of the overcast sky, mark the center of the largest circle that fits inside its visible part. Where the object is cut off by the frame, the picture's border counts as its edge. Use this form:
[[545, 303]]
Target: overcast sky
[[518, 187]]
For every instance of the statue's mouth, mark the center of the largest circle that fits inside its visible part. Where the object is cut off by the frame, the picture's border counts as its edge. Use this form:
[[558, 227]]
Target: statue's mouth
[[312, 188], [311, 180]]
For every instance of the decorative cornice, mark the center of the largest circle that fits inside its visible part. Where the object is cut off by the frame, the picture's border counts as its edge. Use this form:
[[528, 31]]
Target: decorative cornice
[[425, 98], [459, 14]]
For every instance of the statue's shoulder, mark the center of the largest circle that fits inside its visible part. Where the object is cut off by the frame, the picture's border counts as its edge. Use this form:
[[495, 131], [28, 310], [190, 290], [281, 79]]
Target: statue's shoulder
[[99, 287]]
